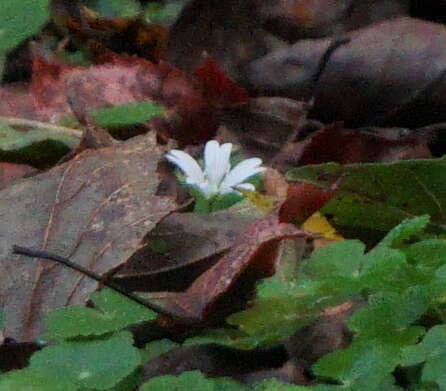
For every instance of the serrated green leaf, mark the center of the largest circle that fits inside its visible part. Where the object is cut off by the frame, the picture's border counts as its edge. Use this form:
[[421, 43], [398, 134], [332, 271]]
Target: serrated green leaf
[[20, 20], [97, 364], [428, 253], [432, 345], [343, 258], [192, 381], [128, 114], [405, 230], [37, 146], [366, 363], [115, 312], [273, 319], [386, 269], [388, 312], [373, 198], [432, 350]]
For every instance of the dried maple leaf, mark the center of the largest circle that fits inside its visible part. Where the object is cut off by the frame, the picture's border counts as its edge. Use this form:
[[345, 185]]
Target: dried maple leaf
[[95, 209]]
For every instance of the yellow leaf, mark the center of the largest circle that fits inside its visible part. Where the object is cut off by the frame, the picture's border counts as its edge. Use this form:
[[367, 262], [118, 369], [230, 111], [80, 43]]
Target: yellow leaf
[[263, 203], [319, 224]]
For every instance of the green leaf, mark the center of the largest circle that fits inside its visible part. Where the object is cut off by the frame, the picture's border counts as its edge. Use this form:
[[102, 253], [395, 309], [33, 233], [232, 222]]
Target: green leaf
[[35, 145], [366, 363], [373, 198], [20, 20], [232, 338], [2, 317], [428, 253], [33, 380], [192, 381], [387, 313], [432, 351], [114, 312], [97, 364], [405, 230], [156, 348], [386, 269], [341, 258], [128, 114]]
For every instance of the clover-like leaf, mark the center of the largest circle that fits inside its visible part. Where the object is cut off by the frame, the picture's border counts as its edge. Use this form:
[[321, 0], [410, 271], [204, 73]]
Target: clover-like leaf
[[114, 312], [98, 364], [192, 381], [432, 351]]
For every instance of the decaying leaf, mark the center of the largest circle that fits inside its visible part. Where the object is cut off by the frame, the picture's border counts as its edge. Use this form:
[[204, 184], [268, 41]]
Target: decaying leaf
[[10, 172], [299, 19], [254, 247], [401, 72], [95, 209]]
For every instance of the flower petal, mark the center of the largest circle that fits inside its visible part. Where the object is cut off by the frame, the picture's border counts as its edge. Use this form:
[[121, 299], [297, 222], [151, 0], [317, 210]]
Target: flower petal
[[242, 171], [216, 160], [246, 186], [194, 173], [242, 186]]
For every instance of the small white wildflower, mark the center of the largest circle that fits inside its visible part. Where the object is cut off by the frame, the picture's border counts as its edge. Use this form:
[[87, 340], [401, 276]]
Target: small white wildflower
[[217, 177]]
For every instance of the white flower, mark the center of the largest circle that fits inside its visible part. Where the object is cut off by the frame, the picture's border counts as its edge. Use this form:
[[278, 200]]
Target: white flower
[[217, 177]]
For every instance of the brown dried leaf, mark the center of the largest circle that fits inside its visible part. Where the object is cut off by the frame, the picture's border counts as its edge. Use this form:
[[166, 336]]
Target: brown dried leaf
[[256, 246], [401, 72], [10, 172], [335, 143], [298, 19], [94, 209], [264, 126]]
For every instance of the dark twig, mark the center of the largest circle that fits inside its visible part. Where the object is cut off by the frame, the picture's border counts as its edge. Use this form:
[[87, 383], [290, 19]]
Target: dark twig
[[66, 262]]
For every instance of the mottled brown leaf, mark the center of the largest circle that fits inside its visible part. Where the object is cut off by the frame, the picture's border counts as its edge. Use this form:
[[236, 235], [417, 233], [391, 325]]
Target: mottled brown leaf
[[94, 209], [400, 73]]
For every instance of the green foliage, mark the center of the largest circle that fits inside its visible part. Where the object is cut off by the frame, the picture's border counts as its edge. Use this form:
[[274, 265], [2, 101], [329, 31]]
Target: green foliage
[[114, 312], [128, 114], [373, 198], [97, 364], [432, 351], [37, 146], [20, 20], [193, 381], [392, 288]]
